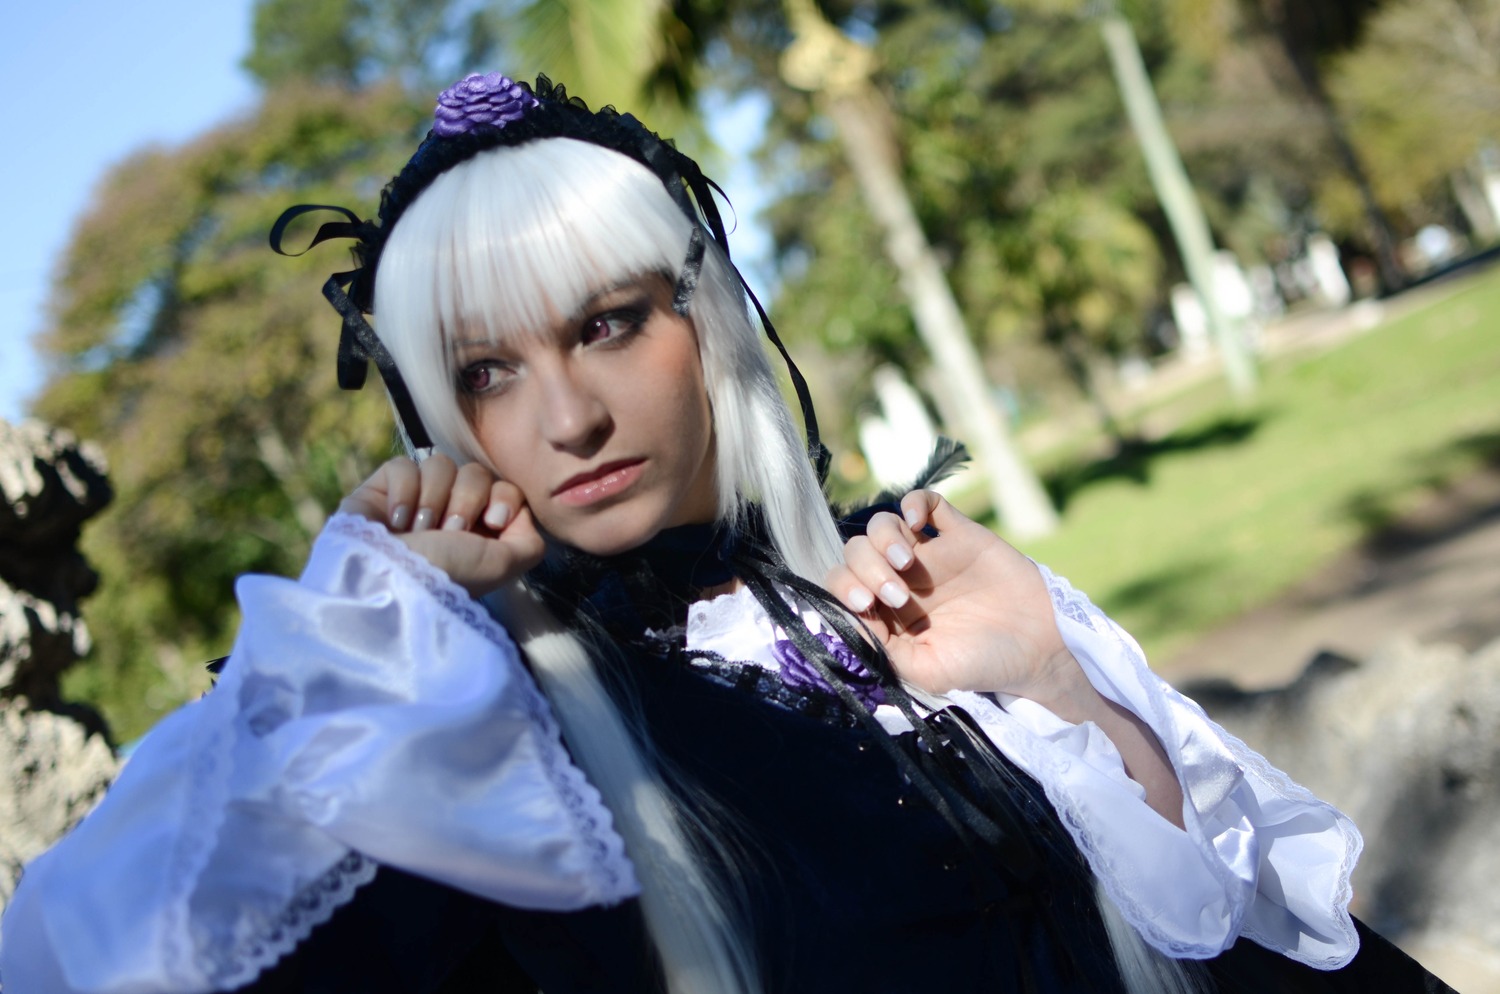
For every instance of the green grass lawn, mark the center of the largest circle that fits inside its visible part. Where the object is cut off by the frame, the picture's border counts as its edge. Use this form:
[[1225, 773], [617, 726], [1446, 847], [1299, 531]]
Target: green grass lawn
[[1235, 505]]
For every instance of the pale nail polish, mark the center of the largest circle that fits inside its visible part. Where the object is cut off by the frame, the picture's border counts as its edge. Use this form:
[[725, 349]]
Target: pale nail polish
[[860, 599], [401, 517], [899, 556], [455, 523], [894, 594], [912, 516], [497, 515], [425, 518]]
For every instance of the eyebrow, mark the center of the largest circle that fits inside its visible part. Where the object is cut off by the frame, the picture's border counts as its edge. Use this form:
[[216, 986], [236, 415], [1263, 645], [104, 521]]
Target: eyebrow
[[579, 312]]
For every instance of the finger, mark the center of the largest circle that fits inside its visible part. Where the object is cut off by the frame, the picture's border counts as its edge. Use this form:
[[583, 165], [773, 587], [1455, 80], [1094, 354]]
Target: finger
[[504, 501], [889, 534], [468, 498], [438, 473], [873, 571], [919, 507], [524, 541], [503, 558], [376, 498], [402, 479], [843, 584]]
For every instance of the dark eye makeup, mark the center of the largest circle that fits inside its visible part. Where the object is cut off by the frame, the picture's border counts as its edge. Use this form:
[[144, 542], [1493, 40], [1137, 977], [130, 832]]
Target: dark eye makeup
[[611, 326]]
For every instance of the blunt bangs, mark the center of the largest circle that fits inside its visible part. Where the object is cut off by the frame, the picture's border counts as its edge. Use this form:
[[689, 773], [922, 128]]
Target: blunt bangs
[[502, 247]]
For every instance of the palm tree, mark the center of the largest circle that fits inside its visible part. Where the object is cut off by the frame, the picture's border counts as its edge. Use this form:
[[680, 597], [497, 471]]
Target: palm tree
[[838, 71]]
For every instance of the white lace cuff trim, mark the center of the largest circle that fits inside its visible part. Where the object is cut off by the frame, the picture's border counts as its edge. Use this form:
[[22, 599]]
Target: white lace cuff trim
[[1261, 855], [370, 713]]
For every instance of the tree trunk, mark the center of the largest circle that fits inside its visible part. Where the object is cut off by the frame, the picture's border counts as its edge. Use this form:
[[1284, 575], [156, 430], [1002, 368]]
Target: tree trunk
[[1018, 496], [1280, 17], [1178, 201]]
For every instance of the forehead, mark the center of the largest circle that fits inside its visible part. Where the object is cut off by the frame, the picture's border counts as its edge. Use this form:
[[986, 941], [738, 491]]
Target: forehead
[[516, 247]]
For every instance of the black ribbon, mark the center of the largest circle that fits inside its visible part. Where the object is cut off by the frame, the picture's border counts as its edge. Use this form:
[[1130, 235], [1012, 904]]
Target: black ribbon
[[558, 116], [358, 343]]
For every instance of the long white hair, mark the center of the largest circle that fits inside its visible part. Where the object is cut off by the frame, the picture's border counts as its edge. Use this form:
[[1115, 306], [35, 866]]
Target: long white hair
[[497, 246]]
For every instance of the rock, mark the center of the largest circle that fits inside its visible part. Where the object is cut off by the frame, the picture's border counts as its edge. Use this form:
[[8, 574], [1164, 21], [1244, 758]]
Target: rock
[[55, 758], [52, 772], [1407, 743], [49, 485]]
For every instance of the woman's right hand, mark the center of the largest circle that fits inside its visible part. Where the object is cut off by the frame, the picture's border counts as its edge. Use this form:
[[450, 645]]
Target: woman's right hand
[[463, 520]]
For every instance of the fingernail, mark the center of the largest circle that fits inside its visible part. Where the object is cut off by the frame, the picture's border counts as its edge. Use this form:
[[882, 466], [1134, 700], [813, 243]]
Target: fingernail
[[899, 555], [912, 516], [425, 517], [894, 594], [860, 599], [401, 517], [497, 515], [455, 523]]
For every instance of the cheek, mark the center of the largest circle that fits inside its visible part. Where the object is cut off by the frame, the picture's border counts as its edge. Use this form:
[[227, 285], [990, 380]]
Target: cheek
[[501, 439]]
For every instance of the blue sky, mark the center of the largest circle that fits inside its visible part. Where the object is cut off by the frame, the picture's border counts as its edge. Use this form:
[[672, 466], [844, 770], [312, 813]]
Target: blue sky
[[82, 84]]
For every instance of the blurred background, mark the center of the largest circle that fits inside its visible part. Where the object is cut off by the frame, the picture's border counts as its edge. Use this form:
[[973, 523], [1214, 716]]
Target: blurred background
[[1207, 286]]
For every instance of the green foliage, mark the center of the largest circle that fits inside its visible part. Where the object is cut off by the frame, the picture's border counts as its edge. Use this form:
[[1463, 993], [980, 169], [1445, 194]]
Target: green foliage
[[1019, 164], [204, 364], [359, 42], [1422, 96]]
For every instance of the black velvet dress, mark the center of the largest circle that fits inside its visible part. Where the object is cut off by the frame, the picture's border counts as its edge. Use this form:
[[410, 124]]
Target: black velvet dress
[[852, 882]]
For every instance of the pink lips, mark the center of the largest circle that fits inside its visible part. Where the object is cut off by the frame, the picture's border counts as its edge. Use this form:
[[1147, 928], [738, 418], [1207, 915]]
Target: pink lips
[[600, 484]]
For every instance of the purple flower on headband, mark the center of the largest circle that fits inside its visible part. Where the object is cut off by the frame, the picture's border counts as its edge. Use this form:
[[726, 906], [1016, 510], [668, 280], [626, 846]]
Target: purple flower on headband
[[797, 672], [480, 99]]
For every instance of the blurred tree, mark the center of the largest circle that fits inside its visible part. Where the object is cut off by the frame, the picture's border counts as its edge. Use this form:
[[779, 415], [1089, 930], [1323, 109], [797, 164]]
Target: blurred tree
[[354, 43], [838, 71], [1022, 172], [642, 55], [205, 366], [1076, 274], [1422, 96], [1309, 31]]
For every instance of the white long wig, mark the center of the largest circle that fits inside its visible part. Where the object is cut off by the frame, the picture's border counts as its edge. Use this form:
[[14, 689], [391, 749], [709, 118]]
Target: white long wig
[[499, 245]]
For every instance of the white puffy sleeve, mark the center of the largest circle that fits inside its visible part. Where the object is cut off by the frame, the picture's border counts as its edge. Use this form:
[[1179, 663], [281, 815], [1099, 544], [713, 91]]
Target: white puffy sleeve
[[371, 712], [1260, 856]]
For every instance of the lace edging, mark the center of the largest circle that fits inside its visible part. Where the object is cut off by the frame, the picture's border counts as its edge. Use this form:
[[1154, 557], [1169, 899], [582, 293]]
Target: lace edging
[[437, 583], [1077, 606], [614, 876], [310, 907], [1288, 789]]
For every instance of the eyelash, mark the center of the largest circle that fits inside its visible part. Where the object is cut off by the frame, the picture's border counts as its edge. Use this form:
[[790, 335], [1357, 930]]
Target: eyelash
[[631, 317], [626, 322]]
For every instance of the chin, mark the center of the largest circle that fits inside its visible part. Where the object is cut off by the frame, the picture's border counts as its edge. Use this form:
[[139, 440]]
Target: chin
[[606, 534]]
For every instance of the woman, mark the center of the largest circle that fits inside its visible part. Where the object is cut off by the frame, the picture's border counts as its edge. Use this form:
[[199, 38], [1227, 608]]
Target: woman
[[741, 747]]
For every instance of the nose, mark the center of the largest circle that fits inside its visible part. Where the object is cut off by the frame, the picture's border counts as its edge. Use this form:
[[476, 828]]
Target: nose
[[574, 415]]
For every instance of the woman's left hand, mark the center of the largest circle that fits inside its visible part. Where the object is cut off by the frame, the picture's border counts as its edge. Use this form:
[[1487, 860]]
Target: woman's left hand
[[959, 611]]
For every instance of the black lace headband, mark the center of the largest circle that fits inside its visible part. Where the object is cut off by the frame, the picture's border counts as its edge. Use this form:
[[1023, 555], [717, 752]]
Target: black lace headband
[[482, 112]]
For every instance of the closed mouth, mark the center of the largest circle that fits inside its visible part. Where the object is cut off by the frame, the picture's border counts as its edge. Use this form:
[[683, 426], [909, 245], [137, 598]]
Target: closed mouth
[[597, 484]]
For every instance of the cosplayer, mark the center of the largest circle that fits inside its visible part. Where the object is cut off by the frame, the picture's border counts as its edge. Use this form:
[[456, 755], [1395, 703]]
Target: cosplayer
[[595, 693]]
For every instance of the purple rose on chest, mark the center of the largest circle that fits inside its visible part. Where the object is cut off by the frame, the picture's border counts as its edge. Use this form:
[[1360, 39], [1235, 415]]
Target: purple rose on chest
[[800, 674]]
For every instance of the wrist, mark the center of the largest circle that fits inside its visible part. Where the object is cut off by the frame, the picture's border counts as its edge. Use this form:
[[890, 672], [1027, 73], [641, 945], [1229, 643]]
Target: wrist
[[1061, 686]]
